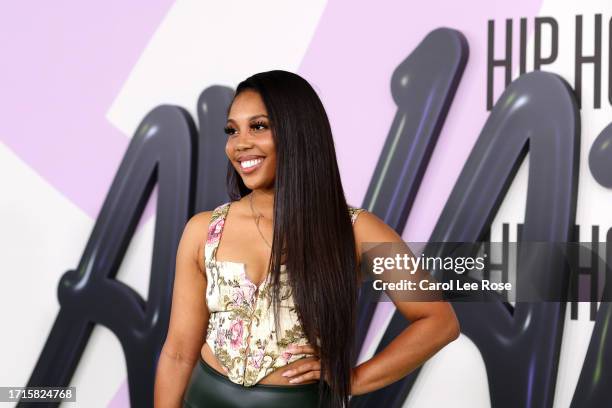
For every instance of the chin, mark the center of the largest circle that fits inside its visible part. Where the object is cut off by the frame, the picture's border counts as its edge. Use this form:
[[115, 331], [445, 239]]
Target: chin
[[254, 186], [256, 183]]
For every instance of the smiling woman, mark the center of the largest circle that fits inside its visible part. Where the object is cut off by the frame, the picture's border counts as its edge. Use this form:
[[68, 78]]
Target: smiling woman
[[256, 165], [267, 319]]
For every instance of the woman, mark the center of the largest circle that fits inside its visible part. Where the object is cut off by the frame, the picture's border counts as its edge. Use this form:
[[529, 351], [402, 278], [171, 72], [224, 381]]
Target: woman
[[258, 324]]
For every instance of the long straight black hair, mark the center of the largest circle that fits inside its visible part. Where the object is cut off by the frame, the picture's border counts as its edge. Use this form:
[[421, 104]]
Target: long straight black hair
[[312, 220]]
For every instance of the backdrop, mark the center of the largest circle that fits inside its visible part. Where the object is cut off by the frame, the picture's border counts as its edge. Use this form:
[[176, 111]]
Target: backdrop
[[103, 103]]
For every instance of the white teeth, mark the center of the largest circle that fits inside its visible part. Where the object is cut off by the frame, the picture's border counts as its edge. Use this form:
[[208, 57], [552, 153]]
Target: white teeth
[[250, 163]]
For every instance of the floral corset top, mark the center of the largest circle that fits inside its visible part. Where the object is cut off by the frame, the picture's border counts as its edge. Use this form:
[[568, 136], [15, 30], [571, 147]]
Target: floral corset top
[[241, 331]]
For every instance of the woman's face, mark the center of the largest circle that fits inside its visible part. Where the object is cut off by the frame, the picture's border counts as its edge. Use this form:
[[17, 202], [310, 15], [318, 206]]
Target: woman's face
[[250, 146]]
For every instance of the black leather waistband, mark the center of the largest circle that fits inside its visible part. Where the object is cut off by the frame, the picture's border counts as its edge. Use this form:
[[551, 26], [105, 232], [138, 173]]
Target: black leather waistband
[[211, 389]]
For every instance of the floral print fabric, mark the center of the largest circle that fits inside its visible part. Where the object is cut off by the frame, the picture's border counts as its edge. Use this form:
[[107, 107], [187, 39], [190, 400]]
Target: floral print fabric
[[241, 331]]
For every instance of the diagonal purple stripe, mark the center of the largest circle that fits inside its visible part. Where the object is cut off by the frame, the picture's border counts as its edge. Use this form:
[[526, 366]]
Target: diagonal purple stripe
[[64, 62]]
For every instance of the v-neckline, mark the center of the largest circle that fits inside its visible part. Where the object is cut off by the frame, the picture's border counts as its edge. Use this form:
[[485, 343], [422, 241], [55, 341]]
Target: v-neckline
[[243, 266]]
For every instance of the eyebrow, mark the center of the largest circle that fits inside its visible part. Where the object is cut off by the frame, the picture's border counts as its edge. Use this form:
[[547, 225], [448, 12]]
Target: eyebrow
[[251, 118]]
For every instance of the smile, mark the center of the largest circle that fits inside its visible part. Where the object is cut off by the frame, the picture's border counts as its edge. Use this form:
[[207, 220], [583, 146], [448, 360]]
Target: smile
[[248, 166]]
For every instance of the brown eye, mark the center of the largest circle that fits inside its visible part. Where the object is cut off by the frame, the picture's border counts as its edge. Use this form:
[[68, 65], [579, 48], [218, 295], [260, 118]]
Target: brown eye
[[228, 130], [259, 126]]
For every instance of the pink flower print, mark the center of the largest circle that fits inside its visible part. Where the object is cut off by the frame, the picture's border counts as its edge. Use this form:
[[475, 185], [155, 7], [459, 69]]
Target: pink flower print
[[237, 295], [243, 293], [236, 334], [248, 289], [214, 231], [286, 356], [257, 357]]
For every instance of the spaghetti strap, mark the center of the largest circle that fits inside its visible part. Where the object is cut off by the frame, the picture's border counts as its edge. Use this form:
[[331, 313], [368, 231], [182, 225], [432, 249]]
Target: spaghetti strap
[[215, 228], [354, 212]]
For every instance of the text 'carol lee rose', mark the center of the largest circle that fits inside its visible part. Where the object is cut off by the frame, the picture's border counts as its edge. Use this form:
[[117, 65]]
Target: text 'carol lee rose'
[[451, 285]]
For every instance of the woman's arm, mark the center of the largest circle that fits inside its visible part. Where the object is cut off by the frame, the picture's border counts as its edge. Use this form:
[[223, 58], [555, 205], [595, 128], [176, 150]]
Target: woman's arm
[[188, 317], [432, 324]]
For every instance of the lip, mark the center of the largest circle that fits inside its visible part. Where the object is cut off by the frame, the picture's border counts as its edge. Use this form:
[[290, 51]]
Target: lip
[[244, 157], [253, 168]]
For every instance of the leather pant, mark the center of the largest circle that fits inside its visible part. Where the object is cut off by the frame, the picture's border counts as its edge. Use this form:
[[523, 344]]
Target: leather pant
[[211, 389]]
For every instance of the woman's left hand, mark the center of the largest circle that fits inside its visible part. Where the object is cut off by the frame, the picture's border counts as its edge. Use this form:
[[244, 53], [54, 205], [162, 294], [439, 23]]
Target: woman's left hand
[[310, 370]]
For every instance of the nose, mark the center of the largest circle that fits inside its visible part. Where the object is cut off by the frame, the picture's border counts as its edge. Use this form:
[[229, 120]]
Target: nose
[[242, 145], [243, 141]]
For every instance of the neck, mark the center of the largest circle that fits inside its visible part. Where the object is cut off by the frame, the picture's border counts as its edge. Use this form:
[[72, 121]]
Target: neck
[[263, 202]]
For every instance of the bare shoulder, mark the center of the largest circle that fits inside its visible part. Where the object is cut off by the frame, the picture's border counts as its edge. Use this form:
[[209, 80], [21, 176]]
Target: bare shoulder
[[368, 227], [200, 219], [195, 233]]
